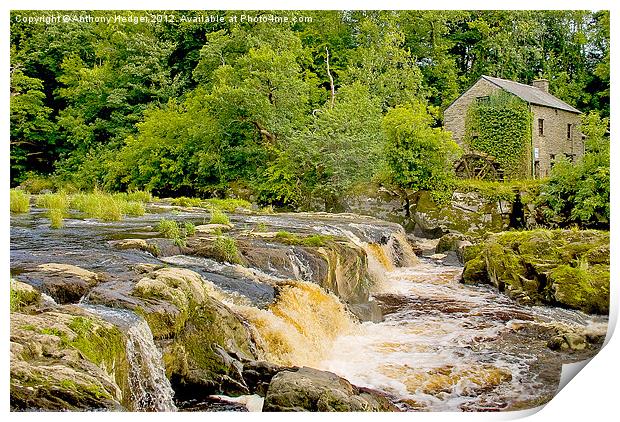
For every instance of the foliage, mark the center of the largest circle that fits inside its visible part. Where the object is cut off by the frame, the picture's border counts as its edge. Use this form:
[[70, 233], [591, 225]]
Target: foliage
[[229, 204], [341, 147], [56, 216], [59, 200], [169, 229], [419, 156], [225, 249], [580, 193], [193, 109], [177, 232], [20, 201], [218, 217], [184, 201], [190, 228], [107, 207], [501, 128], [500, 191]]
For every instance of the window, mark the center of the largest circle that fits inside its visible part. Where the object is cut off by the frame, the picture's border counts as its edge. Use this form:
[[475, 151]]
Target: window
[[541, 127], [568, 131], [551, 160], [484, 99]]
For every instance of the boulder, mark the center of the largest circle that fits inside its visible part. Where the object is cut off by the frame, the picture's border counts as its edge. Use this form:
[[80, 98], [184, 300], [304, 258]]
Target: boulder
[[63, 282], [213, 228], [203, 341], [308, 389], [67, 359], [545, 266], [140, 244], [467, 212]]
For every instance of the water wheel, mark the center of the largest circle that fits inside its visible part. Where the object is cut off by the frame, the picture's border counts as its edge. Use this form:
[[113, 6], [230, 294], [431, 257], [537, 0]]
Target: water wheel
[[478, 166]]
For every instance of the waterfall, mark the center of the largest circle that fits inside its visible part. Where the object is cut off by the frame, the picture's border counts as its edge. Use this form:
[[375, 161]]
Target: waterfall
[[301, 268], [390, 251], [149, 387], [299, 328]]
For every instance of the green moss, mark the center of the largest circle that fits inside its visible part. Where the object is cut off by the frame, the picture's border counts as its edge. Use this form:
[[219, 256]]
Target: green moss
[[581, 287], [99, 344], [20, 201], [562, 267], [475, 271], [495, 191], [20, 298], [316, 240]]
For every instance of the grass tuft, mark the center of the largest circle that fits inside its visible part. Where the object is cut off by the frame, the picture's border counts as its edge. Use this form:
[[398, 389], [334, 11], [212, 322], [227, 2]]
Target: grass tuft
[[218, 217], [20, 201], [225, 249]]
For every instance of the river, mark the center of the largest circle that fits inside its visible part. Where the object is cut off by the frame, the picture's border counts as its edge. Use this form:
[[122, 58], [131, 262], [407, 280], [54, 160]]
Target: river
[[441, 345]]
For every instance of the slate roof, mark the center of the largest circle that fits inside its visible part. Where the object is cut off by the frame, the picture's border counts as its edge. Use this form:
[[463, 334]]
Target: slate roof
[[530, 94]]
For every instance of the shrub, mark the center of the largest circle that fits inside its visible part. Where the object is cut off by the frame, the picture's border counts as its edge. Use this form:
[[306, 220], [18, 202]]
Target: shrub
[[110, 210], [20, 201], [218, 217], [139, 196], [132, 208], [36, 184], [419, 156], [59, 200], [315, 240]]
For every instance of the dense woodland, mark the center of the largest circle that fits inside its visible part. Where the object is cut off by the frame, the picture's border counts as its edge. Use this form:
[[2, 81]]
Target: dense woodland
[[285, 112]]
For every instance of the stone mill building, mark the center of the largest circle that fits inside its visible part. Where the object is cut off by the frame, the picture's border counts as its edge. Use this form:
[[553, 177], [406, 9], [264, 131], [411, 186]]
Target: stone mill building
[[555, 124]]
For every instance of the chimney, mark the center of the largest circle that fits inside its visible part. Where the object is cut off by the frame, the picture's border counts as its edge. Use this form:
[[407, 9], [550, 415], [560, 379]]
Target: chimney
[[542, 84]]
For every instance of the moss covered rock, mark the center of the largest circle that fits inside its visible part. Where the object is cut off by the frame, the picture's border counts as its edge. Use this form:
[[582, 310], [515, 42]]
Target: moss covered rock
[[467, 212], [568, 268], [23, 296], [67, 359], [203, 340]]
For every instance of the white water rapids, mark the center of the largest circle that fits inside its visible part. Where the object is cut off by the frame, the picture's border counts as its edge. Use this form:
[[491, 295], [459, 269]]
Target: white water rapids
[[435, 347]]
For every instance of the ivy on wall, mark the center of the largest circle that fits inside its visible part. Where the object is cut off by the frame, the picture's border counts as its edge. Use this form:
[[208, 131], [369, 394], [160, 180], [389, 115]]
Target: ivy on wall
[[501, 126]]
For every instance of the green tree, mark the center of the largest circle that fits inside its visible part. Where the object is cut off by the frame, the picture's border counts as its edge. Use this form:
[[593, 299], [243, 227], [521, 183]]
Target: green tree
[[419, 156], [32, 131], [340, 148]]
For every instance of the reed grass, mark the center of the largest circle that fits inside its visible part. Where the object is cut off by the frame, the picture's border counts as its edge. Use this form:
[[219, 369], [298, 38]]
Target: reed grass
[[20, 201]]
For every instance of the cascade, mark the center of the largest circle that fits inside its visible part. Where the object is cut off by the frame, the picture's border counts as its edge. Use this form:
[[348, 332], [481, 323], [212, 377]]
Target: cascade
[[300, 326], [150, 389]]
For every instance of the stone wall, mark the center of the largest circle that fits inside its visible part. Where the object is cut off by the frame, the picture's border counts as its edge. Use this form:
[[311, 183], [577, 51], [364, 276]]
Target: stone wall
[[554, 142], [454, 115]]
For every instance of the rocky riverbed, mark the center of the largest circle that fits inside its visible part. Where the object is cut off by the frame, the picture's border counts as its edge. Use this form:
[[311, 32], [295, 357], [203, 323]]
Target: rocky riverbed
[[309, 311]]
